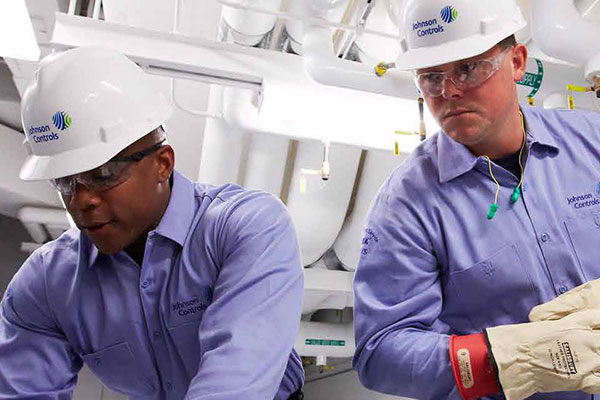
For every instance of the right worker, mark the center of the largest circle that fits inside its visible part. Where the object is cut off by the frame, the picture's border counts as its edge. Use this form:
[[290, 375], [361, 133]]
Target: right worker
[[494, 215]]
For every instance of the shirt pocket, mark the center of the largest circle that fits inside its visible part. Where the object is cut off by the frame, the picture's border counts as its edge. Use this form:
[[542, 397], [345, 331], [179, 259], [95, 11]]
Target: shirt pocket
[[495, 291], [585, 241], [118, 370], [187, 341]]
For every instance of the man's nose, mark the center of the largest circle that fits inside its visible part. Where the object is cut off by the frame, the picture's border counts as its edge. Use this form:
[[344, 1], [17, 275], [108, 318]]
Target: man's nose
[[449, 89], [82, 198]]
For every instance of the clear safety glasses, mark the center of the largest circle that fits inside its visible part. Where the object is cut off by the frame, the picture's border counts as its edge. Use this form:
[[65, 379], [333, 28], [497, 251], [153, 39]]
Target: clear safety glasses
[[108, 175], [465, 75]]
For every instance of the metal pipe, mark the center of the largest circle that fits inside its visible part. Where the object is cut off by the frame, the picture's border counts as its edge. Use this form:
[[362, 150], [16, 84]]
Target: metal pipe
[[312, 20], [72, 7], [97, 6]]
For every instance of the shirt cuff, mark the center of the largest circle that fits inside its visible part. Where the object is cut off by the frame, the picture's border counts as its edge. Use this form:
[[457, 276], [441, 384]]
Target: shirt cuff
[[471, 366]]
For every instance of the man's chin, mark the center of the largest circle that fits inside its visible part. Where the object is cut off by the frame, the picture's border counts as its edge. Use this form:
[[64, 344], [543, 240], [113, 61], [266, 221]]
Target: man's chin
[[107, 246]]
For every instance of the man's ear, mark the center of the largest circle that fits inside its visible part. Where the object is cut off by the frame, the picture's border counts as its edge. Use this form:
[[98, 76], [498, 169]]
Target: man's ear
[[165, 158], [518, 56]]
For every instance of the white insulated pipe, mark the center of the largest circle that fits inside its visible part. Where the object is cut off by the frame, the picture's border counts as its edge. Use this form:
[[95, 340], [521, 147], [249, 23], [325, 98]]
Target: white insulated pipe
[[318, 339], [325, 68], [377, 167], [221, 146], [319, 212], [561, 32], [265, 165], [249, 27], [34, 218]]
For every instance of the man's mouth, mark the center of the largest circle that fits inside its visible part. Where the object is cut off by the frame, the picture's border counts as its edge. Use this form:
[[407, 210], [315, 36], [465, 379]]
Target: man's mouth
[[455, 113], [94, 226]]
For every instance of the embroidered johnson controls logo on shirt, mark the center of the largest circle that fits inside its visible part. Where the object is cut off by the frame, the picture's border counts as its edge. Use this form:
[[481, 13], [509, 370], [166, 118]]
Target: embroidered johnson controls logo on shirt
[[367, 241], [193, 305], [585, 200]]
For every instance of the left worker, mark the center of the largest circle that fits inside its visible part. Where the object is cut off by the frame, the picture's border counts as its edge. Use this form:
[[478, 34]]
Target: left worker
[[166, 289]]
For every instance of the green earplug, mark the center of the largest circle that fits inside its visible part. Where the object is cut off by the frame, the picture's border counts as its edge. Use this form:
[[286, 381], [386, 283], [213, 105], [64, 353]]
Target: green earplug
[[515, 195], [492, 210]]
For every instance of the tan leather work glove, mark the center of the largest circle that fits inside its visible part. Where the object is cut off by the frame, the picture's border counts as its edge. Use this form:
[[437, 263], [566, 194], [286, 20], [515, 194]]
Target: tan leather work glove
[[582, 297], [548, 356]]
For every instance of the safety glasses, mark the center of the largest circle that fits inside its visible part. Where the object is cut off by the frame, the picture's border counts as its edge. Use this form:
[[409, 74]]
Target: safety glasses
[[108, 175], [465, 75]]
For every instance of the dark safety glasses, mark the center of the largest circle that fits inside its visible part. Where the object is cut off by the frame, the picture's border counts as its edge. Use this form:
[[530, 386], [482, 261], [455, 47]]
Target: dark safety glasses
[[108, 175]]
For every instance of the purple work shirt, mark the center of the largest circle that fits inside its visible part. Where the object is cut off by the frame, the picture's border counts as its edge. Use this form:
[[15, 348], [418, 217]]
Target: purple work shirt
[[212, 313], [433, 265]]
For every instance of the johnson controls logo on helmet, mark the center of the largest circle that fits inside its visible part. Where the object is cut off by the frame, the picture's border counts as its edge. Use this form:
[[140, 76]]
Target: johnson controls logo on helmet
[[41, 134], [61, 120], [432, 26], [449, 14]]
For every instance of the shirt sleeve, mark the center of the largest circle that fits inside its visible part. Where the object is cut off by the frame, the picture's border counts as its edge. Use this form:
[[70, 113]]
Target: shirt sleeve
[[401, 345], [248, 331], [36, 361]]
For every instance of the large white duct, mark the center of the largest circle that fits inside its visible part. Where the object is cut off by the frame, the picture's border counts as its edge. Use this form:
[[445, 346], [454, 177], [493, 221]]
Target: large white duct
[[157, 15], [330, 10], [222, 146], [319, 213], [247, 27], [317, 339], [561, 32], [376, 168], [265, 165], [375, 48]]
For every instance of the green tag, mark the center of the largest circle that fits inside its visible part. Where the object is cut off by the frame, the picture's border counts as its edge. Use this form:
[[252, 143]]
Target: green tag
[[533, 81], [324, 342]]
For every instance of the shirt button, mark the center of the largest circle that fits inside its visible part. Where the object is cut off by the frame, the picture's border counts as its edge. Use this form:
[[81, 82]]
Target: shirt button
[[145, 284], [168, 386], [523, 187], [545, 237], [563, 289], [597, 220], [97, 362], [157, 335]]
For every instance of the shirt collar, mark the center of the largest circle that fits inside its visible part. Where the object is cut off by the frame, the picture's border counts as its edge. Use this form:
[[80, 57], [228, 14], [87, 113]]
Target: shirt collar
[[178, 217], [174, 224], [455, 159], [536, 128]]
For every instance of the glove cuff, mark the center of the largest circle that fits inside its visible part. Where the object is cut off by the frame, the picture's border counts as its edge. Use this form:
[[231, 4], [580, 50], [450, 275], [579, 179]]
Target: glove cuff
[[471, 366]]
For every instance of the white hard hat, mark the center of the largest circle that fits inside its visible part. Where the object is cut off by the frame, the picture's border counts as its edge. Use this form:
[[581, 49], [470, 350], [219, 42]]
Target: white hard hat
[[437, 32], [83, 107]]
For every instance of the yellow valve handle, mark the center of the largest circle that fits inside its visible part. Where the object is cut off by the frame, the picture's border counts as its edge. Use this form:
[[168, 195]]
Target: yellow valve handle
[[382, 67], [571, 103], [576, 88], [406, 133], [397, 145]]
